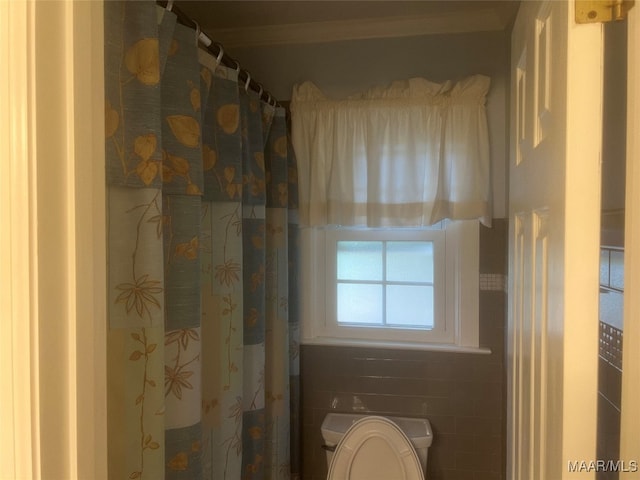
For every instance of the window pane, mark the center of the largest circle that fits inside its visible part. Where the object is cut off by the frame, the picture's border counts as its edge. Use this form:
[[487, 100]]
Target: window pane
[[410, 306], [611, 308], [604, 267], [359, 260], [410, 261], [617, 269], [359, 303]]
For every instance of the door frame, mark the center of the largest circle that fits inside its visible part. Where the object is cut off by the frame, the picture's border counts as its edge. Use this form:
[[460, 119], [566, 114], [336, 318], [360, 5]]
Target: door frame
[[53, 330]]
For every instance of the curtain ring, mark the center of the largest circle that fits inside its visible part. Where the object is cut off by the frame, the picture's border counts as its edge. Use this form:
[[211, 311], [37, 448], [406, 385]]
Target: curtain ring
[[198, 31], [237, 67], [220, 53], [261, 91], [268, 98], [246, 84], [169, 5]]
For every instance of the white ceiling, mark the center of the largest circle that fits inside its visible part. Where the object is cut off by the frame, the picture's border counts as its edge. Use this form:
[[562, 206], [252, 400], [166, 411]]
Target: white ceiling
[[238, 23]]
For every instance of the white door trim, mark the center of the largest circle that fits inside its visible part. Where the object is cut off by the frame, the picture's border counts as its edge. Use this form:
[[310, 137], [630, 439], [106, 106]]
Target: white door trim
[[52, 259], [19, 448]]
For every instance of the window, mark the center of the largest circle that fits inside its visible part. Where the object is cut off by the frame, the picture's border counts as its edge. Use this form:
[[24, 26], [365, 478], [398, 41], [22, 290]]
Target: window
[[410, 154], [391, 286], [384, 283]]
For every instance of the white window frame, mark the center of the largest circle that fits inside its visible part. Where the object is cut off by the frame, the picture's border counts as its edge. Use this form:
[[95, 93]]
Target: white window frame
[[457, 325], [331, 328]]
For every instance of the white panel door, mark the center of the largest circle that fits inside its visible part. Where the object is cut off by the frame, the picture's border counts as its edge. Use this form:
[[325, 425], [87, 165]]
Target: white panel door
[[554, 189]]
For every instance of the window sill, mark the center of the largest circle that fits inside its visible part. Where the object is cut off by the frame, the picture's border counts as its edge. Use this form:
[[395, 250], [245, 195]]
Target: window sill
[[429, 347]]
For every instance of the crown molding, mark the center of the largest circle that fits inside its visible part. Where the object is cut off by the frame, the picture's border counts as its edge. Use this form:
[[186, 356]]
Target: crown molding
[[340, 30]]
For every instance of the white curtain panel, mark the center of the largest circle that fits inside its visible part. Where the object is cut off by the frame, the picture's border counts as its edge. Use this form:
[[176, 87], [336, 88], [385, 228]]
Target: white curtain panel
[[411, 154]]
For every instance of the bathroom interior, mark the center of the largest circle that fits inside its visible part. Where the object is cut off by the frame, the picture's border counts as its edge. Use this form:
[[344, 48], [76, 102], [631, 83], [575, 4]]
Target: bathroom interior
[[463, 395]]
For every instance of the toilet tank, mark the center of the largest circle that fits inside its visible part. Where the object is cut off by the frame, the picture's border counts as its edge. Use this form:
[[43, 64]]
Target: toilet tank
[[418, 430]]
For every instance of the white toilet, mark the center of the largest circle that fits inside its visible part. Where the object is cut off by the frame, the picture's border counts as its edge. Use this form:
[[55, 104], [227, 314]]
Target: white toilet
[[365, 447]]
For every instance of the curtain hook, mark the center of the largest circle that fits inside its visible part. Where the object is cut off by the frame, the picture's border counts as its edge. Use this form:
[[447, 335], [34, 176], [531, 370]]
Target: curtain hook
[[246, 84], [169, 5], [198, 31], [220, 53]]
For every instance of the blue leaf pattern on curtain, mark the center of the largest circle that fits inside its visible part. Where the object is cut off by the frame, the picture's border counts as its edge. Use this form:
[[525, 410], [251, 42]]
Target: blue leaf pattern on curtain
[[222, 287], [253, 252], [133, 135], [202, 239], [182, 184], [278, 462]]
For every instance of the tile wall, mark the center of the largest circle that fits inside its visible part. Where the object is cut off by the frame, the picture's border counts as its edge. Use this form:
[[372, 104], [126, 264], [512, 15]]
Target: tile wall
[[611, 314], [609, 396], [610, 357], [463, 395]]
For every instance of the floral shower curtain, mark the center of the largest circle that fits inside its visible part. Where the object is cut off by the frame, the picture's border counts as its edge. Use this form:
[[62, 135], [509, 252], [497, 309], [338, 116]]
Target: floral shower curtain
[[203, 320]]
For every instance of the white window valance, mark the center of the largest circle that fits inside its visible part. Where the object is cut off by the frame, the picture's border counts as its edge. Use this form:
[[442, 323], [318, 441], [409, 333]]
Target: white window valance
[[407, 155]]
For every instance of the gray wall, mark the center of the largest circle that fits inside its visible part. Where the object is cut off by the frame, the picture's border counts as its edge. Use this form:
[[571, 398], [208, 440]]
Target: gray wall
[[462, 394], [343, 68]]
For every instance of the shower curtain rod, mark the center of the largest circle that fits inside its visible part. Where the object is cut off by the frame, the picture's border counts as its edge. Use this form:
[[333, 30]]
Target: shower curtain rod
[[225, 59]]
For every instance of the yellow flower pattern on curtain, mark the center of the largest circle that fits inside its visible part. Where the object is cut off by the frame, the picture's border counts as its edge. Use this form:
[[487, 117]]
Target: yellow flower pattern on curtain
[[202, 340]]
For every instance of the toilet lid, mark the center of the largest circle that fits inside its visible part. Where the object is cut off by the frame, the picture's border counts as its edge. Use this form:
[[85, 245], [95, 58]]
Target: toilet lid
[[375, 448]]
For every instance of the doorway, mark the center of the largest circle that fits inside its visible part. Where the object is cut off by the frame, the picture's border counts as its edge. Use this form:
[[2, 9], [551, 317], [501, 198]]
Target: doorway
[[611, 296]]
